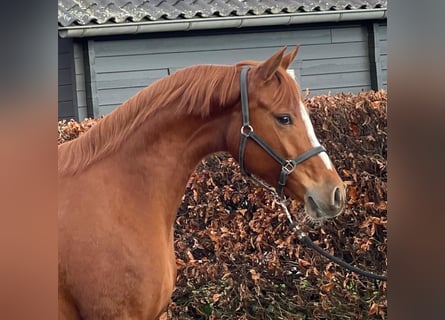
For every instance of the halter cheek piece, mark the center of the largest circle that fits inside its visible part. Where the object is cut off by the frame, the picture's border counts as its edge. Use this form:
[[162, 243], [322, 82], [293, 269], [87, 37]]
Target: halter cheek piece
[[287, 166]]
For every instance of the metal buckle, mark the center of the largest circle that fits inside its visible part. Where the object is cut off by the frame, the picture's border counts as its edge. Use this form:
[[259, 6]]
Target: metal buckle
[[249, 129], [288, 167]]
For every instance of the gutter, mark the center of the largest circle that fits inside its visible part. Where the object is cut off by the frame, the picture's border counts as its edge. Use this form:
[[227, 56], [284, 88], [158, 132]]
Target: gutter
[[93, 30]]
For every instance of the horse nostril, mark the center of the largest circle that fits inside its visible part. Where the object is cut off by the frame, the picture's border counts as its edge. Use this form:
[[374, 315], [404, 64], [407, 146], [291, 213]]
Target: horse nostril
[[337, 198]]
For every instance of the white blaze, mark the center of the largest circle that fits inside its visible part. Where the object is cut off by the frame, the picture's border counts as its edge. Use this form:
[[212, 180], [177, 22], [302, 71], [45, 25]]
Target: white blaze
[[310, 129], [312, 137]]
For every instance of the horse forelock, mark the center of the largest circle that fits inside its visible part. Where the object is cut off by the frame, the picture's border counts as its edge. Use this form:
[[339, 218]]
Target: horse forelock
[[289, 89], [195, 90]]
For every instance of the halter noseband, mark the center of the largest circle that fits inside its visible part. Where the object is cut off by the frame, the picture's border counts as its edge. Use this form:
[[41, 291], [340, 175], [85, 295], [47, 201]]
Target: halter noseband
[[287, 166]]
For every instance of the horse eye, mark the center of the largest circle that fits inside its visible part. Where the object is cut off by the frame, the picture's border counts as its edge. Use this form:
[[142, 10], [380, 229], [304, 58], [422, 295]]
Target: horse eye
[[284, 119]]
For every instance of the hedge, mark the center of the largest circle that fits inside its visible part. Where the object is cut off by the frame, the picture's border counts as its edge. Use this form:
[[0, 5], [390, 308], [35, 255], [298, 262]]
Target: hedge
[[237, 257]]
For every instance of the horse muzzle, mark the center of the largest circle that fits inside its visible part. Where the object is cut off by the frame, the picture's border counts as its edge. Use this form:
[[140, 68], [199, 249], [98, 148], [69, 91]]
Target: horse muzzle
[[324, 202]]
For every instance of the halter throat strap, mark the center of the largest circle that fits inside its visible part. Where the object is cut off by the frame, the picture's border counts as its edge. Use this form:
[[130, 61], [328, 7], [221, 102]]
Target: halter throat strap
[[287, 166]]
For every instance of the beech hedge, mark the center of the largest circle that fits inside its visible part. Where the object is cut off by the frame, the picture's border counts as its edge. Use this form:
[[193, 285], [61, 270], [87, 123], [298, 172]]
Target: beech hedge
[[237, 256]]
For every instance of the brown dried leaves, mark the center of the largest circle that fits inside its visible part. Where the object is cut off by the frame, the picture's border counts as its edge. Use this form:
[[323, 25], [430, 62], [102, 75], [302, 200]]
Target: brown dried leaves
[[237, 257]]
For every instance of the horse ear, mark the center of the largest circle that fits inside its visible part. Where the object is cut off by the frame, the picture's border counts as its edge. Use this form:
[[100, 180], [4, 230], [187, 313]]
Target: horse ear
[[267, 68], [287, 59]]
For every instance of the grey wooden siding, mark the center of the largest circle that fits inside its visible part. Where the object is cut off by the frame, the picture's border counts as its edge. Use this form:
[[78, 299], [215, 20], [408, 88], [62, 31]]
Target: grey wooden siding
[[66, 97], [79, 66], [330, 60], [383, 53]]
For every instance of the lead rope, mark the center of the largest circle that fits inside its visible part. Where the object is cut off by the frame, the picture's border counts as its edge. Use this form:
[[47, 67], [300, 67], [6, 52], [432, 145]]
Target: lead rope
[[304, 238]]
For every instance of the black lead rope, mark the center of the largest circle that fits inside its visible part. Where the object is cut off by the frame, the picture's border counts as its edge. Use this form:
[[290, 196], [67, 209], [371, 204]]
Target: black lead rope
[[304, 238]]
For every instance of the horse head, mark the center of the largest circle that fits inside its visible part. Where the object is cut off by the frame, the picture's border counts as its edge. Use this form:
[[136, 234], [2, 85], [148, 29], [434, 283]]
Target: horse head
[[277, 141]]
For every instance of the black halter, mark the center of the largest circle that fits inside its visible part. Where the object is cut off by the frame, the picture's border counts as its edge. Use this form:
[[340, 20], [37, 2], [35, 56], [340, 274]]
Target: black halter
[[287, 166]]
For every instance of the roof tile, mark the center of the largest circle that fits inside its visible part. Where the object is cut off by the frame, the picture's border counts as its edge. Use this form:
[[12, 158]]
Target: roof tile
[[83, 12]]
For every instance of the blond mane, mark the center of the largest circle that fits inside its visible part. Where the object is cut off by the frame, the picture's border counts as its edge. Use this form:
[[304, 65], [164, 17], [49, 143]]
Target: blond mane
[[194, 91]]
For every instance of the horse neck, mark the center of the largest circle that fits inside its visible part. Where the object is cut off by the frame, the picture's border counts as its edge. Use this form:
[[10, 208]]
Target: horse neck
[[164, 153], [153, 142]]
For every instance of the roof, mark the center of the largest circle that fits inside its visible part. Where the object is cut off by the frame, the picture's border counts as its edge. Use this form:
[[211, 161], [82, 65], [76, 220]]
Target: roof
[[116, 12]]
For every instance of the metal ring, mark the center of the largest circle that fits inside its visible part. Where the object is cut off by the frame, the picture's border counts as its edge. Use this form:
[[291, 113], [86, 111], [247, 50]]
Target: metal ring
[[249, 129], [288, 167]]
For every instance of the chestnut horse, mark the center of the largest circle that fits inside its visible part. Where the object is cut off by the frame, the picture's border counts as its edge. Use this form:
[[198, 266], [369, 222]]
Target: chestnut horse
[[121, 183]]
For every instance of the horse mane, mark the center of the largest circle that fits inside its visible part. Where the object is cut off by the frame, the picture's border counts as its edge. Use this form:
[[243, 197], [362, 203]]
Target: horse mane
[[190, 91], [194, 90]]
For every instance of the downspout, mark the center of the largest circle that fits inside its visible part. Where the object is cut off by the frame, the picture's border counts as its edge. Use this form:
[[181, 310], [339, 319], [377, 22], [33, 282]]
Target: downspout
[[221, 23]]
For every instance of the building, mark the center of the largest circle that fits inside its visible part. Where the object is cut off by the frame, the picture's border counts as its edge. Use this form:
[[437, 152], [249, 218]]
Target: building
[[108, 50]]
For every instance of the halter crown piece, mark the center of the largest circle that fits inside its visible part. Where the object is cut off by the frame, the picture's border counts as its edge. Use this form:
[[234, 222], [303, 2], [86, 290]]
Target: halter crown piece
[[287, 166]]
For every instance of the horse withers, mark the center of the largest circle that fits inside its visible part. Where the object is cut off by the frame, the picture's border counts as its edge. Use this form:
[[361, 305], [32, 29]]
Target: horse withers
[[122, 182]]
